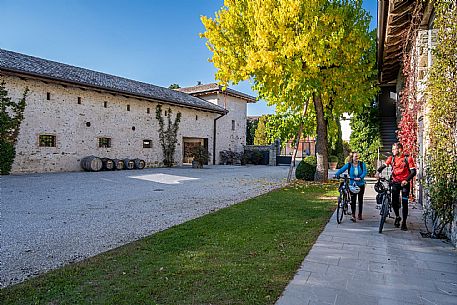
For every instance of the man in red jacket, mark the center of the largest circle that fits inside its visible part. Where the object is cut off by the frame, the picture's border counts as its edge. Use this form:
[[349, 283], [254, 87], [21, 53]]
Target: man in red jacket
[[403, 170]]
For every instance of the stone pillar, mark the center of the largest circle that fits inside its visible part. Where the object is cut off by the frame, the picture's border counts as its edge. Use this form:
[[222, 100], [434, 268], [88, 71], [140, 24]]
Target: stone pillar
[[272, 154]]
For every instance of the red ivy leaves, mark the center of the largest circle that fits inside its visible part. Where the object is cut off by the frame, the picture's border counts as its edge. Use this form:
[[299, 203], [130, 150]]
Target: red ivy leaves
[[409, 105]]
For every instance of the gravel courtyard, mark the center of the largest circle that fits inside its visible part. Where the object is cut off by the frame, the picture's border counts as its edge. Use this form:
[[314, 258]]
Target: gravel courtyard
[[48, 220]]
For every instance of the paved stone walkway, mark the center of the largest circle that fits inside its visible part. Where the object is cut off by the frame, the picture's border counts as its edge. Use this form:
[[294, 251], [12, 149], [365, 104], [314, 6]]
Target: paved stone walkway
[[353, 264]]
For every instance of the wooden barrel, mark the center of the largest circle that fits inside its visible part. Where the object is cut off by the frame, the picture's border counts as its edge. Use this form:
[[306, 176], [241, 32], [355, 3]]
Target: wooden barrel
[[129, 164], [91, 164], [139, 164], [108, 164], [118, 164]]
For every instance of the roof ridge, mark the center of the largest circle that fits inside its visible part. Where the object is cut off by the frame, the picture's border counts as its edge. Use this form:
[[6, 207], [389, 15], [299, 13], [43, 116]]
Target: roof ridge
[[77, 67], [50, 69]]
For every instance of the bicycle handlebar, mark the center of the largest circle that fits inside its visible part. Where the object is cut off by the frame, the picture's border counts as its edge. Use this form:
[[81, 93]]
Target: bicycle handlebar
[[339, 177]]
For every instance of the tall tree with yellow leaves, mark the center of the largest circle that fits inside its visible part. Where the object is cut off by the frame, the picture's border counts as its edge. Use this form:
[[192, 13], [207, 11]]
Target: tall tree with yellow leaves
[[295, 52]]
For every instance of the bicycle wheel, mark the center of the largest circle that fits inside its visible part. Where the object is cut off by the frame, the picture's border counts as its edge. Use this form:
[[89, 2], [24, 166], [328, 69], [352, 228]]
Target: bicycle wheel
[[346, 204], [339, 209], [384, 212]]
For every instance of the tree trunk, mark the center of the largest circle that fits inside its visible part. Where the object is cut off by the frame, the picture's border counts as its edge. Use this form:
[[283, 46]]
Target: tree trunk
[[322, 140]]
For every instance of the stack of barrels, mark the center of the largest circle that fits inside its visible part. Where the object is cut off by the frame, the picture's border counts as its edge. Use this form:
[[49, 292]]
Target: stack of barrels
[[95, 164]]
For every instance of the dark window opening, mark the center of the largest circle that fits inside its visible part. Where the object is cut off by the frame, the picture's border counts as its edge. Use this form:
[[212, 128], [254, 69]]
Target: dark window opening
[[133, 128], [165, 113], [87, 124], [128, 107], [79, 100], [104, 142], [105, 104], [48, 96], [47, 141], [148, 110], [196, 117], [233, 124], [147, 144]]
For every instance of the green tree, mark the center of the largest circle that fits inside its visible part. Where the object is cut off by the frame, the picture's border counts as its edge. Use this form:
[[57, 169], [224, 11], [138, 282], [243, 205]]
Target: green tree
[[297, 52], [365, 136], [261, 137], [284, 126], [335, 147], [251, 127], [11, 116], [174, 86], [346, 150]]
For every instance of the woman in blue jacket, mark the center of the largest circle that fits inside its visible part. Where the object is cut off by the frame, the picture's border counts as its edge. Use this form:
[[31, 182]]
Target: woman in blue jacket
[[357, 171]]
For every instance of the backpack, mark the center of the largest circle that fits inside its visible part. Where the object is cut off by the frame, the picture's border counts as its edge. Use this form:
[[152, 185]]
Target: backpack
[[406, 162]]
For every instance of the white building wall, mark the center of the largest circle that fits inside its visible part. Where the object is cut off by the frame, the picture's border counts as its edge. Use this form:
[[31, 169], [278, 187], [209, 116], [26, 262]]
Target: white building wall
[[63, 117], [226, 137]]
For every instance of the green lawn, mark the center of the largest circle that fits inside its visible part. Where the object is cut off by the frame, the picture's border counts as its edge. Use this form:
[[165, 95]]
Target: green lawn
[[244, 254]]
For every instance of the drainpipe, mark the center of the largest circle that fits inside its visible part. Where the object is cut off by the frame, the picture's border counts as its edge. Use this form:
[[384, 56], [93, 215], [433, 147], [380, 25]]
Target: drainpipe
[[214, 138]]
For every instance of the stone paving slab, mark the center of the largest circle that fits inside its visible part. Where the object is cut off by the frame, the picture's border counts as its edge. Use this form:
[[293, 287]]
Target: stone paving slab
[[352, 264]]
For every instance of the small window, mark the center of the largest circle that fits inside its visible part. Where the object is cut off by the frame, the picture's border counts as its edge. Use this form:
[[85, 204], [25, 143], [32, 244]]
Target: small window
[[87, 124], [148, 110], [47, 140], [147, 144], [233, 124], [104, 142], [48, 96], [105, 104], [79, 100], [128, 107], [196, 118], [165, 113], [133, 128]]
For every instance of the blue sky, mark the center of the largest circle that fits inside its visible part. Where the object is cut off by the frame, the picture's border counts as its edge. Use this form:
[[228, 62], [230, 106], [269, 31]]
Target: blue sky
[[152, 41]]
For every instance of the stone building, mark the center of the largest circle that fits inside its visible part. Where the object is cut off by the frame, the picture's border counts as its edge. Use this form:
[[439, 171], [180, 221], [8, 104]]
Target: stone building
[[74, 112], [231, 128]]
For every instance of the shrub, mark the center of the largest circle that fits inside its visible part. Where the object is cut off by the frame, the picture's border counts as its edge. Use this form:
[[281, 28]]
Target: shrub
[[8, 153], [332, 158], [11, 116], [306, 169], [311, 160], [200, 155], [228, 157], [252, 157]]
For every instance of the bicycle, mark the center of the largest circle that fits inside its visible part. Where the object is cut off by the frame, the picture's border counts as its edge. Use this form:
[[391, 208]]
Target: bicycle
[[384, 198], [344, 199]]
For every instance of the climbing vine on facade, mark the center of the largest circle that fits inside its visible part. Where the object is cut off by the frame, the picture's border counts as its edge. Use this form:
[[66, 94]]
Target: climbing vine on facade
[[441, 161], [410, 103], [11, 116], [168, 137]]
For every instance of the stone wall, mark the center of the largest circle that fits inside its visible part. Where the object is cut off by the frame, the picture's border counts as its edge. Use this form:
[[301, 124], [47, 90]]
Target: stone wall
[[227, 137], [78, 126]]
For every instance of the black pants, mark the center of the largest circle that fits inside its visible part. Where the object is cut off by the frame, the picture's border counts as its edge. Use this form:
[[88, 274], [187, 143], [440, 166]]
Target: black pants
[[396, 188], [354, 198]]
